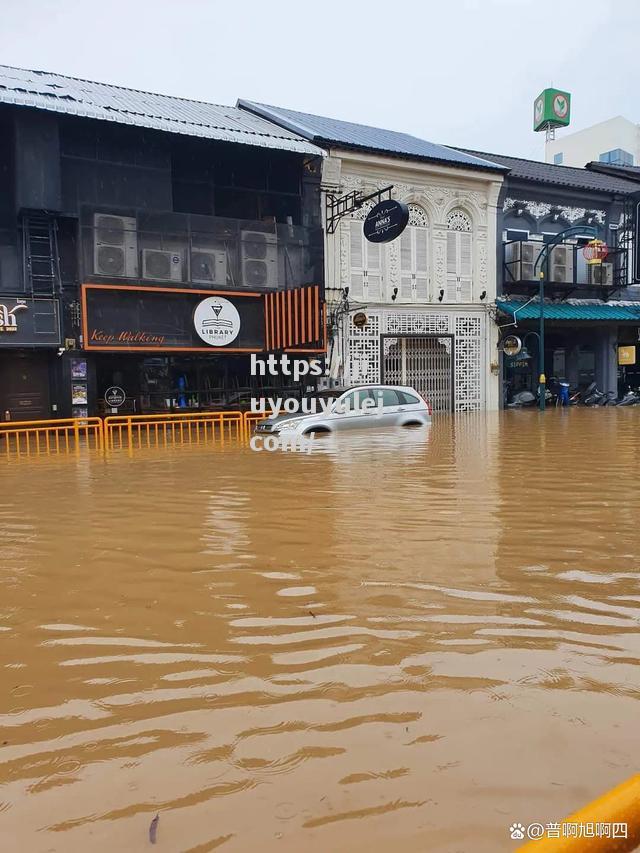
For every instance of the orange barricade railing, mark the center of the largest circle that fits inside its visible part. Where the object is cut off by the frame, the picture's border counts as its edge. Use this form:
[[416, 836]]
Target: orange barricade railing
[[251, 419], [150, 431], [64, 435]]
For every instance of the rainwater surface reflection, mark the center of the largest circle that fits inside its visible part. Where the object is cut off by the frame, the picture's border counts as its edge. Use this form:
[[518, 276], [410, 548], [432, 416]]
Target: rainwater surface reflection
[[404, 638]]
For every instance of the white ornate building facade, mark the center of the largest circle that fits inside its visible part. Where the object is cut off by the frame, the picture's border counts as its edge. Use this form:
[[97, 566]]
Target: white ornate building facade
[[418, 310]]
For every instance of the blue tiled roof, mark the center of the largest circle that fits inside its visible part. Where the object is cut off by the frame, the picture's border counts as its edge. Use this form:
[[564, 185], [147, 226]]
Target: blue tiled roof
[[56, 93], [322, 130], [575, 309]]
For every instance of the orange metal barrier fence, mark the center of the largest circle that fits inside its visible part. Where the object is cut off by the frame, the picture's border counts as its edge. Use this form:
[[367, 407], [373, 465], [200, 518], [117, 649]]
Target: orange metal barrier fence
[[251, 419], [27, 438], [31, 438], [149, 431]]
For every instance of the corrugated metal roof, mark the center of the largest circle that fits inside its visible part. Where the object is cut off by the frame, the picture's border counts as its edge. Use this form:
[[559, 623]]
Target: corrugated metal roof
[[330, 131], [57, 93], [565, 176], [572, 309]]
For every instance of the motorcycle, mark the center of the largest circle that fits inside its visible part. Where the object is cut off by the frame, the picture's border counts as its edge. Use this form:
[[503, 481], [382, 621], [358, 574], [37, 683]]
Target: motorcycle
[[631, 398], [521, 400], [593, 396]]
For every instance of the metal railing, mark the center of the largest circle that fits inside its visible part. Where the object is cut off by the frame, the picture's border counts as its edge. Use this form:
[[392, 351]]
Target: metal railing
[[136, 432], [31, 438], [251, 419], [132, 432], [568, 269]]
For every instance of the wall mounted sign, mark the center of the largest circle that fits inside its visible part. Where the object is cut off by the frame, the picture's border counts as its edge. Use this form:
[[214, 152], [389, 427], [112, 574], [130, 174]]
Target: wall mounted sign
[[148, 319], [78, 368], [217, 321], [359, 319], [29, 322], [386, 221], [511, 345], [627, 355], [114, 397], [79, 394]]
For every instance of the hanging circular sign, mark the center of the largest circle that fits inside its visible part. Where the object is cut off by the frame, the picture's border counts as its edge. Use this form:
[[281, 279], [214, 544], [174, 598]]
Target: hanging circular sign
[[511, 345], [360, 319], [386, 221], [114, 397], [216, 321]]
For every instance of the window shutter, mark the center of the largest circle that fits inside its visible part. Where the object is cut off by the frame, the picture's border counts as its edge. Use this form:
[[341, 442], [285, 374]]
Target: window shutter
[[466, 248], [451, 293], [356, 288], [421, 236], [406, 263], [374, 270]]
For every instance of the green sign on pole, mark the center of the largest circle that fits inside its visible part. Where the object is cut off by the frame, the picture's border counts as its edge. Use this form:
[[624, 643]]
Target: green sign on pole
[[552, 108]]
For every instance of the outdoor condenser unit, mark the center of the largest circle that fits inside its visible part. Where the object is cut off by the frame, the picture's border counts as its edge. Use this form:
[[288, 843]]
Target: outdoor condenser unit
[[208, 266], [521, 258], [561, 264], [601, 274], [259, 258], [161, 265], [115, 246]]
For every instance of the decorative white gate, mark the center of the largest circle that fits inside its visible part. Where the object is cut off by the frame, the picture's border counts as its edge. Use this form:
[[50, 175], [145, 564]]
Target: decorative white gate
[[424, 363], [363, 353]]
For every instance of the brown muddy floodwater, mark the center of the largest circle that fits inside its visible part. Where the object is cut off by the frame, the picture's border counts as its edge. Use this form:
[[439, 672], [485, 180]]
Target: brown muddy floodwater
[[403, 640]]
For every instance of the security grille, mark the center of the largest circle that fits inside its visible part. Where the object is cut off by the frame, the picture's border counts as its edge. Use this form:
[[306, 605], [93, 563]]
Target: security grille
[[424, 363]]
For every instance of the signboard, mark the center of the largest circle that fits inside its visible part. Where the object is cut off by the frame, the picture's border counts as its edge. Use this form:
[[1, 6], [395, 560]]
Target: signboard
[[217, 321], [511, 345], [149, 319], [386, 221], [627, 355], [114, 397], [552, 108], [29, 322]]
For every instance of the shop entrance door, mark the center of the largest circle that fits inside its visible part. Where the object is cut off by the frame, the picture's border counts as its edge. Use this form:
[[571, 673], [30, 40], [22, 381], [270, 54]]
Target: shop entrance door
[[24, 386], [423, 362]]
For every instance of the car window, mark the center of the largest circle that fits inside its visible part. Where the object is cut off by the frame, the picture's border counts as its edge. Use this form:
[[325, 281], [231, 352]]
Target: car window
[[408, 399], [389, 397], [354, 399]]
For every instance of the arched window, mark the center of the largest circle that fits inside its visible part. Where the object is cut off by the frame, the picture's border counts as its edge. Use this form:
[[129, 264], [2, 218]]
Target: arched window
[[459, 257], [414, 257]]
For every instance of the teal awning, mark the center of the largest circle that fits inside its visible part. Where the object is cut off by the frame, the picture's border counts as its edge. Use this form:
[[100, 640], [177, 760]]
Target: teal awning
[[575, 310]]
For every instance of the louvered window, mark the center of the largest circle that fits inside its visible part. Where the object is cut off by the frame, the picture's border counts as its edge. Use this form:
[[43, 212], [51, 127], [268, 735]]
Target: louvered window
[[366, 266], [414, 258], [459, 258]]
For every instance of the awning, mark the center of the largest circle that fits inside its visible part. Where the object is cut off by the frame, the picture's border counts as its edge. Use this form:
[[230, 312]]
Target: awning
[[576, 309]]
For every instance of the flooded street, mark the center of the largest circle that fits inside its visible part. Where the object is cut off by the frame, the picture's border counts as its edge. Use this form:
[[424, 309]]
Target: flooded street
[[407, 639]]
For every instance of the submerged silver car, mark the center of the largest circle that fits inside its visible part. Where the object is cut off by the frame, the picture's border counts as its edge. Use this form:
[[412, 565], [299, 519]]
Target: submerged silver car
[[358, 407]]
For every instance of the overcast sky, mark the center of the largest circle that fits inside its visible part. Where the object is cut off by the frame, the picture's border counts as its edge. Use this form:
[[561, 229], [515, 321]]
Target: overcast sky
[[460, 72]]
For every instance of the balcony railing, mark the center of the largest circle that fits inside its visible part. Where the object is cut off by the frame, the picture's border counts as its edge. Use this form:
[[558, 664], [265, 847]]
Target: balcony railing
[[179, 250], [567, 267]]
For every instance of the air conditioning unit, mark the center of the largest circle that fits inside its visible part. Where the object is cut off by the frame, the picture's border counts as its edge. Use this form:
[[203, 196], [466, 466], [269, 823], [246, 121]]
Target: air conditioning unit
[[259, 258], [561, 265], [208, 266], [521, 258], [161, 265], [115, 246], [601, 274]]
